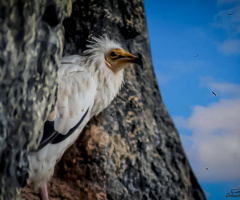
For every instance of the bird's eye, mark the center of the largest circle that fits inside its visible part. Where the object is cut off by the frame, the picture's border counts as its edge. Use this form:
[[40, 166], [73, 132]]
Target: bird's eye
[[113, 54]]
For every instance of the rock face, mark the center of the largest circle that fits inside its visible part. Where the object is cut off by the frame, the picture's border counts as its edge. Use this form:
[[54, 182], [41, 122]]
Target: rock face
[[30, 47], [132, 150]]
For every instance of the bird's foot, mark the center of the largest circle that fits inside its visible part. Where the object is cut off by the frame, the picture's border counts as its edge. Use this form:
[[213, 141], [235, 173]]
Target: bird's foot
[[44, 192]]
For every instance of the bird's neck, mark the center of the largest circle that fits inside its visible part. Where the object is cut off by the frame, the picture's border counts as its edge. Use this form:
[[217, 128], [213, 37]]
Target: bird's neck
[[108, 85]]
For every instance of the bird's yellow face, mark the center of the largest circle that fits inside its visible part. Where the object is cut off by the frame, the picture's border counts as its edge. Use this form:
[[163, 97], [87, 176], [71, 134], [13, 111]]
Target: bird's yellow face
[[117, 59]]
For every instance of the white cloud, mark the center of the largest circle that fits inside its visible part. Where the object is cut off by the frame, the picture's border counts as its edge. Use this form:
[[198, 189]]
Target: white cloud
[[230, 47], [215, 139], [166, 69], [225, 88], [228, 20]]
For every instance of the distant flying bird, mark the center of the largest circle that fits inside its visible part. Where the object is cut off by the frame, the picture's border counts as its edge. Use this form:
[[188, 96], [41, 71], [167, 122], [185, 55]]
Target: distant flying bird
[[196, 56], [206, 168], [214, 93], [230, 13], [87, 85]]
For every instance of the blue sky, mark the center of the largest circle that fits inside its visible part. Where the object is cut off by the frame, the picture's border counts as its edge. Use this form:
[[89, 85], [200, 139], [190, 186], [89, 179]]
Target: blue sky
[[195, 46]]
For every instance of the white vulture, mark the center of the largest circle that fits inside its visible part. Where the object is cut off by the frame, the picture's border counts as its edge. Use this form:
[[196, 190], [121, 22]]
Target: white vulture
[[87, 84]]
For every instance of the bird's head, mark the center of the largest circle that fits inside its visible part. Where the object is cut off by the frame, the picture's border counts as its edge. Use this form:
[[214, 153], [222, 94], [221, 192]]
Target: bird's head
[[112, 53], [117, 59]]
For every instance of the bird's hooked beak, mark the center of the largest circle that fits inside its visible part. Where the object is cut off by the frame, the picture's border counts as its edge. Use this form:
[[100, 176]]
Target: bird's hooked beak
[[129, 58], [118, 59]]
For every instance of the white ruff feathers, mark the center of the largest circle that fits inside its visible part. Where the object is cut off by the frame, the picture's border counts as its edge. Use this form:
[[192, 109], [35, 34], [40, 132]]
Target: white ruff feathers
[[84, 82]]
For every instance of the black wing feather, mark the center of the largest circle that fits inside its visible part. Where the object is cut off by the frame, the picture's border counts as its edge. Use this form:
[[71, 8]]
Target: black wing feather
[[61, 137], [50, 135]]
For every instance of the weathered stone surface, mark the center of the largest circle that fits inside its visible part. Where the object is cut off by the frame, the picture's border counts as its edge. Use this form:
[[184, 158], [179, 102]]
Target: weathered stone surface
[[30, 46], [138, 153], [132, 150]]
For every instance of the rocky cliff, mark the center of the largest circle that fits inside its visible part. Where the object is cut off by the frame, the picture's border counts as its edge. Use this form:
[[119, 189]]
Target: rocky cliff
[[30, 47], [132, 150]]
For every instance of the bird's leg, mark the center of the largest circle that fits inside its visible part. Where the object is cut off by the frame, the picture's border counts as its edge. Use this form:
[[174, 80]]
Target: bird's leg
[[44, 192]]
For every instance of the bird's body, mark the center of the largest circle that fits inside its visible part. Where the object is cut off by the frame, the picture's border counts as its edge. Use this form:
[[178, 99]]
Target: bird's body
[[87, 84], [196, 56]]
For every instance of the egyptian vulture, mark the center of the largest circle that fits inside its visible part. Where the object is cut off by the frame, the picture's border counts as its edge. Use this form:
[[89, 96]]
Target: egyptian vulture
[[87, 84]]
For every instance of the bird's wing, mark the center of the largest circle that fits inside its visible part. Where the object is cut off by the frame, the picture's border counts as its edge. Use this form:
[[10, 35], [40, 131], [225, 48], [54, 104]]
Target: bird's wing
[[76, 91], [70, 59], [70, 64]]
